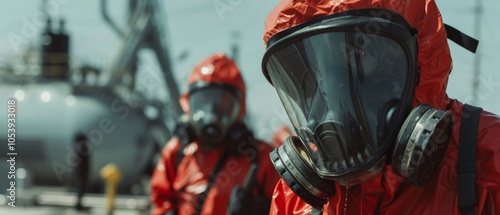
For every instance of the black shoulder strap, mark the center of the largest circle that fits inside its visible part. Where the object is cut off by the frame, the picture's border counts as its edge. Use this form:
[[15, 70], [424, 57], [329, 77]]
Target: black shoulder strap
[[467, 199], [211, 181], [251, 178], [461, 39], [180, 153]]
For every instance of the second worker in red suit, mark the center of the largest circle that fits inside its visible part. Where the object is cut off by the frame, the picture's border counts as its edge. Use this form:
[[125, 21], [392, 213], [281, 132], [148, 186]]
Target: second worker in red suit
[[213, 165]]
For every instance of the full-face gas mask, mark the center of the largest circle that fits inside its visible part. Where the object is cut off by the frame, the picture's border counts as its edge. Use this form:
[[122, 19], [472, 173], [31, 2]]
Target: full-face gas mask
[[214, 110], [347, 82]]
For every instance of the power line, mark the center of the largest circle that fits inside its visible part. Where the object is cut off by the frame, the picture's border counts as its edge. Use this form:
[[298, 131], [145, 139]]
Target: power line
[[478, 12]]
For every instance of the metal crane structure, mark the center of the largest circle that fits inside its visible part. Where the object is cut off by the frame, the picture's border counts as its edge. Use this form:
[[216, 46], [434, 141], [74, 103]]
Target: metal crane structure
[[122, 125], [144, 30]]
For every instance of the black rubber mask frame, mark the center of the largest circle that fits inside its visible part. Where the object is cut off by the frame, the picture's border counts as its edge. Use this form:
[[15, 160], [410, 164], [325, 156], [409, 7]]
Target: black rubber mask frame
[[215, 109], [344, 134]]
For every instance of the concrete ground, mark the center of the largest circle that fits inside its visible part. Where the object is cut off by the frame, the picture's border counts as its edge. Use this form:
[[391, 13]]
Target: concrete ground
[[57, 201], [48, 210]]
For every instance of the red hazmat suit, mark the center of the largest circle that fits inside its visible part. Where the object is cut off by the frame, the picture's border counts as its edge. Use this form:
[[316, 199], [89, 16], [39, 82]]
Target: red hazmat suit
[[179, 186], [387, 193]]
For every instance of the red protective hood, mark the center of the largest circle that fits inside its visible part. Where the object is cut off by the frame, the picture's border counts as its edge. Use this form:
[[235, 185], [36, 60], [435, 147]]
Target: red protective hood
[[434, 56], [217, 68]]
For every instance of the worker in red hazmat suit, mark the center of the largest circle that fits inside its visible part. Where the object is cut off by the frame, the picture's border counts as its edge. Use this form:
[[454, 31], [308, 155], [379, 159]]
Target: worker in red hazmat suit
[[364, 85], [213, 165]]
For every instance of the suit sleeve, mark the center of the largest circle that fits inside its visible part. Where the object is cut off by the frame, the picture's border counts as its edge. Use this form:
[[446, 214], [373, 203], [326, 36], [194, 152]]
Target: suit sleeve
[[285, 201], [162, 191]]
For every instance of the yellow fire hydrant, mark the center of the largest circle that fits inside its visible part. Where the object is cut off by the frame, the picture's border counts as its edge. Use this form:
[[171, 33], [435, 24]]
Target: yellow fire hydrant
[[111, 174]]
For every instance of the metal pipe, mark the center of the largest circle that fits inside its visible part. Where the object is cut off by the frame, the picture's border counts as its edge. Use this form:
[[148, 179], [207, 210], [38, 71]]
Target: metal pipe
[[108, 20]]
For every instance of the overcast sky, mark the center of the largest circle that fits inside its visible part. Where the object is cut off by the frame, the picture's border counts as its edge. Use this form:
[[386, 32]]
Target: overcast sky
[[199, 29]]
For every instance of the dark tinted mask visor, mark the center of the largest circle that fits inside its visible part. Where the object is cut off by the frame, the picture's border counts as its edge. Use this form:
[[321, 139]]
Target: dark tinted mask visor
[[214, 109]]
